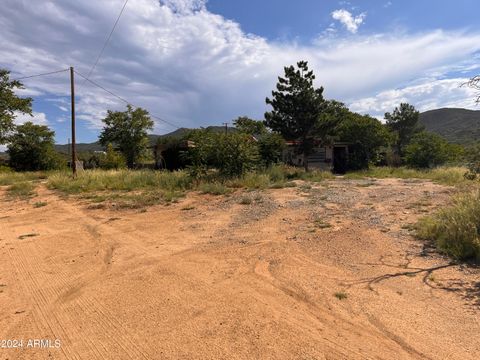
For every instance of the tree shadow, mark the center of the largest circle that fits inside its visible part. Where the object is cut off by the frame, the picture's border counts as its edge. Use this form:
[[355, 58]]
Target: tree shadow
[[467, 289]]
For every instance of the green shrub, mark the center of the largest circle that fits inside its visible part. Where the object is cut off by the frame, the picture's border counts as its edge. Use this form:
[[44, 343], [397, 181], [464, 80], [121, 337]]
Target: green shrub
[[472, 157], [112, 159], [232, 154], [276, 173], [456, 229], [429, 150]]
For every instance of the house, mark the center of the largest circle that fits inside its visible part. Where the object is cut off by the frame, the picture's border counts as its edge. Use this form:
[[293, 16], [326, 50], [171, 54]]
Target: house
[[333, 157], [168, 155]]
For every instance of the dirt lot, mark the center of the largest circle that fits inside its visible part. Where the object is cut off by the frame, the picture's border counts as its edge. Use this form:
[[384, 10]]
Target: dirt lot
[[323, 272]]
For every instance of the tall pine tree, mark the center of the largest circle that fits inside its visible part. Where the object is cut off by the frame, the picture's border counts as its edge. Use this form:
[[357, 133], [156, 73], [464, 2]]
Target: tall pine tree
[[299, 110]]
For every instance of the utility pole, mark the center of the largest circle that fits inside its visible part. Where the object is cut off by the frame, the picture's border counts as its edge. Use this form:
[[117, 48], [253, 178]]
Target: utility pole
[[226, 127], [74, 152]]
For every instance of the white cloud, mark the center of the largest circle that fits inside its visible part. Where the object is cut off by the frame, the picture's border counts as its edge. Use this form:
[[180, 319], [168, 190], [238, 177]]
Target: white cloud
[[195, 68], [427, 95], [352, 23], [38, 118]]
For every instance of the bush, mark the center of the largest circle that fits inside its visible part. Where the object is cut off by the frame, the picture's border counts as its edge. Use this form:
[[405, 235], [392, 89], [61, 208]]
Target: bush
[[231, 154], [112, 159], [271, 146], [455, 230], [428, 150], [472, 157]]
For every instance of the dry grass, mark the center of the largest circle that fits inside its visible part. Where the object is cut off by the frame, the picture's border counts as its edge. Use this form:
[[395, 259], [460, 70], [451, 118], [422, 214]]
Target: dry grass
[[455, 230], [441, 175]]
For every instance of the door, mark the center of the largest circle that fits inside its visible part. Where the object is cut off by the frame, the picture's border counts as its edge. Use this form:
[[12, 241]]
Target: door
[[340, 160]]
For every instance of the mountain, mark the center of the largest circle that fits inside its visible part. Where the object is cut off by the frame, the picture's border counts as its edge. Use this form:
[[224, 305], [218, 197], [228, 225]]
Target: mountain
[[459, 126], [95, 146]]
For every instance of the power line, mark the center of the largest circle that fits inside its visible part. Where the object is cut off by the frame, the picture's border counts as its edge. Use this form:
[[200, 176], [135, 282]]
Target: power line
[[125, 101], [103, 88], [43, 74], [106, 41]]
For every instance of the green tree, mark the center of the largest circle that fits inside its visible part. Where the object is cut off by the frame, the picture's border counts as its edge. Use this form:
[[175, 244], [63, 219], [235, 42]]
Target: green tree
[[403, 123], [366, 135], [10, 104], [299, 109], [31, 148], [428, 150], [249, 126], [128, 131], [270, 144]]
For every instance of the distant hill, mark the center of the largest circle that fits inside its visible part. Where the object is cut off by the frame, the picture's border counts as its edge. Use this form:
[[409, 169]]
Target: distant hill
[[459, 126], [95, 146]]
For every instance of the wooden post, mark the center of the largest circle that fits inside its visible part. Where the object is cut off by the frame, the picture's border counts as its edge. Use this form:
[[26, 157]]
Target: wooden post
[[74, 152]]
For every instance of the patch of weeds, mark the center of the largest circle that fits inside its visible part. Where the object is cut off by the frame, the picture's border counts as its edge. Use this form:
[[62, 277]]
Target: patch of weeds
[[255, 181], [245, 200], [214, 188], [278, 185], [258, 198], [21, 190], [40, 204], [10, 177], [410, 274], [366, 184], [341, 295], [409, 227], [442, 175], [188, 208], [21, 237], [316, 176], [305, 187], [322, 225]]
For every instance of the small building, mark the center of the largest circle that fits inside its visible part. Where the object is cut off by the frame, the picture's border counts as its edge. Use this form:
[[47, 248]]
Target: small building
[[333, 157]]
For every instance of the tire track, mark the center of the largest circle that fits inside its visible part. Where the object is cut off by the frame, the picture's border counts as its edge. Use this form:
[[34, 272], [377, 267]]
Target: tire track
[[86, 307], [40, 303]]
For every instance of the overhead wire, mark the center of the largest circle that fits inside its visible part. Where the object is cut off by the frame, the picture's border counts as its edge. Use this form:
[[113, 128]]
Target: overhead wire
[[42, 74], [124, 100], [105, 44]]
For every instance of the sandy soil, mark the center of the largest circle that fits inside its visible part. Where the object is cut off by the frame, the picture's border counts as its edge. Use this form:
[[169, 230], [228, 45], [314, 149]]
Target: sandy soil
[[210, 278]]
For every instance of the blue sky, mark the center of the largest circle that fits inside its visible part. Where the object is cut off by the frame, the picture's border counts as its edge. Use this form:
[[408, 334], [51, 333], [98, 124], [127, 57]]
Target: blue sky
[[197, 63], [304, 20]]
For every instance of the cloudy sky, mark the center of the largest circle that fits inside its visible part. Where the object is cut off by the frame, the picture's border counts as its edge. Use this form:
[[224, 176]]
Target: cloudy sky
[[196, 62]]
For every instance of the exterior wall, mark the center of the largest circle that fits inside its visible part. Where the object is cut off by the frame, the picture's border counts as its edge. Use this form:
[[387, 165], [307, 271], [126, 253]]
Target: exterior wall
[[322, 158]]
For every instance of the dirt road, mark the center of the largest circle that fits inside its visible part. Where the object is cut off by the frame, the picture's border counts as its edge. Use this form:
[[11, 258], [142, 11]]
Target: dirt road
[[323, 272]]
